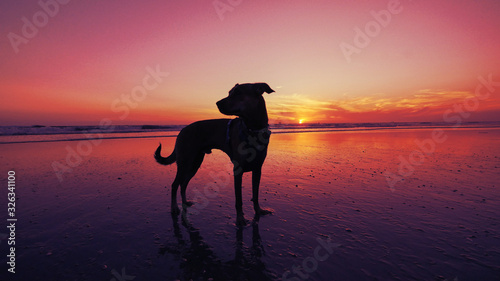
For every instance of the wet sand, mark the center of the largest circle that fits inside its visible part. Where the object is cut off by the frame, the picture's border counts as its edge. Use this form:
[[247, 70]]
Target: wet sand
[[335, 216]]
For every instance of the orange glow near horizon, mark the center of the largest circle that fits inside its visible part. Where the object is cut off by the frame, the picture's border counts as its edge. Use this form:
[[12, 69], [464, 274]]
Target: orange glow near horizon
[[87, 63]]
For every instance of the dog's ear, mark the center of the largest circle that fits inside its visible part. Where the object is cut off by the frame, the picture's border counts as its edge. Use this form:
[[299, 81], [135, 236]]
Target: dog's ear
[[263, 87], [232, 89]]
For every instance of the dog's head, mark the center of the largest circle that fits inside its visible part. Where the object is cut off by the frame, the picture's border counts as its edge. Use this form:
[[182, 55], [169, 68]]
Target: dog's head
[[244, 100]]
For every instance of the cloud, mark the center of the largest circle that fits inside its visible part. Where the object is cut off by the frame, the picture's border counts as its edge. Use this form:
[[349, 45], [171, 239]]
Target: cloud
[[288, 108], [423, 105]]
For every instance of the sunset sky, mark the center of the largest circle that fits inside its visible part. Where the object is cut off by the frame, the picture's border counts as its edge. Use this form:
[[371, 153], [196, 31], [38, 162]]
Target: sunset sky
[[77, 62]]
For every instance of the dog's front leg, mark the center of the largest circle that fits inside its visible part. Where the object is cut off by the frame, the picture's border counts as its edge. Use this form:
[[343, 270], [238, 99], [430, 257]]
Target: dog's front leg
[[238, 179], [255, 193]]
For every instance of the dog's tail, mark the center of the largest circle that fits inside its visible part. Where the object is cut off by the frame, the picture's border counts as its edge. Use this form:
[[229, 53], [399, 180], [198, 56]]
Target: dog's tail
[[162, 160]]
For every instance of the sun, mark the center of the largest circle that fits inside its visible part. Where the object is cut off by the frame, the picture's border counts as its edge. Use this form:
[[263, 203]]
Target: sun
[[301, 121]]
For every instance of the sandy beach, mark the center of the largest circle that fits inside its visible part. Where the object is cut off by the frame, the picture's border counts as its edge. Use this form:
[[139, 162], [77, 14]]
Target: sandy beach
[[335, 215]]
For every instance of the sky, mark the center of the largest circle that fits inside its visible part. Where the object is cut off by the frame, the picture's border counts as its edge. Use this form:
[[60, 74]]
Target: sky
[[168, 62]]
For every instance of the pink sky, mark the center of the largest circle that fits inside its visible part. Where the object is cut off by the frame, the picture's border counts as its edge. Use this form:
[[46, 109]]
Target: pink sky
[[91, 54]]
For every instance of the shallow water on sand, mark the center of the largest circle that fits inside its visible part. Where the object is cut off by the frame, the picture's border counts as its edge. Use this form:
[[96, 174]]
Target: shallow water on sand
[[334, 213]]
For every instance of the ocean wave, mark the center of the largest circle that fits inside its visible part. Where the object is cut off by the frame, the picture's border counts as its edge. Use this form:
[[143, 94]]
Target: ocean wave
[[40, 133]]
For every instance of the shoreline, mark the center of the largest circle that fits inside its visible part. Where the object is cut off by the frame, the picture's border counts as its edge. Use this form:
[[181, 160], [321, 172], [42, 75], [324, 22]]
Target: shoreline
[[275, 130], [79, 129]]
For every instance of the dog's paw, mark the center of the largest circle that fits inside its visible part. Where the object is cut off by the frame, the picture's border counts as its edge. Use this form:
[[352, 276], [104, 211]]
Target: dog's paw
[[263, 212], [241, 221], [187, 204], [175, 210]]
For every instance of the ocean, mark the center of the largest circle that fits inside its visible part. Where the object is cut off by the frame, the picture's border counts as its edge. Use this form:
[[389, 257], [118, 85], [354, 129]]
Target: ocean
[[41, 133]]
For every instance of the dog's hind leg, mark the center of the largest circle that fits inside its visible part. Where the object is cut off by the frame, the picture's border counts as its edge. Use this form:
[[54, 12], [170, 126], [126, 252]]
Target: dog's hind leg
[[194, 166], [173, 203]]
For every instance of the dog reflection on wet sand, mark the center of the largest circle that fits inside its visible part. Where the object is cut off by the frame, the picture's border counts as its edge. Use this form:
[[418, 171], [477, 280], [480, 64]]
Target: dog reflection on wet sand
[[198, 261]]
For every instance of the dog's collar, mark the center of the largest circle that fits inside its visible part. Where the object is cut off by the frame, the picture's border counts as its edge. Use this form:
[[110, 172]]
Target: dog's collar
[[254, 132], [228, 135], [244, 131]]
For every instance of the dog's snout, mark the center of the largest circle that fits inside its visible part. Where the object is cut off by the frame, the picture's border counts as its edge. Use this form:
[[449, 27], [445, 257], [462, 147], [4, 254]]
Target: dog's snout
[[219, 105], [224, 106]]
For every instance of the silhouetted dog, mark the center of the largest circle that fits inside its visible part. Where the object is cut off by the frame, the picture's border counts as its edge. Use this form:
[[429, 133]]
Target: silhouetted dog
[[244, 140]]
